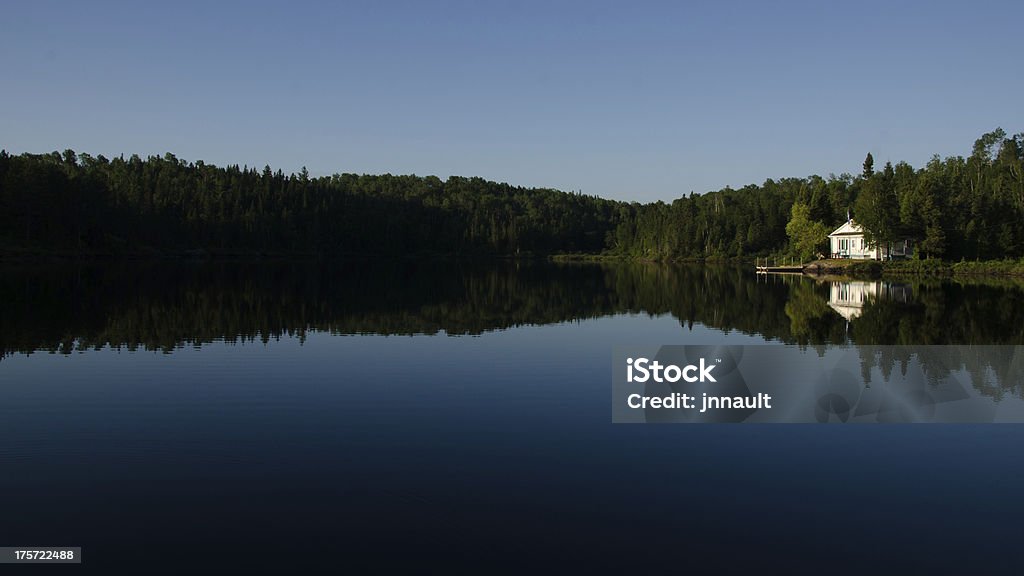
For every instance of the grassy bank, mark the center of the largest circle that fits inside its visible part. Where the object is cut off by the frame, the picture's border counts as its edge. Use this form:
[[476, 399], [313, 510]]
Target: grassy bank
[[932, 267], [851, 268], [609, 257]]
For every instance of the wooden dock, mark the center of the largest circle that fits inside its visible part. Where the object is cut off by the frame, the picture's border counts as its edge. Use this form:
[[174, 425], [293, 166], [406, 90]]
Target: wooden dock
[[786, 266]]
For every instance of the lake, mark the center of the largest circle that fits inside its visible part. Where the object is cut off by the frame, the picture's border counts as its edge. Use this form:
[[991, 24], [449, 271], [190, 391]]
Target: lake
[[425, 416]]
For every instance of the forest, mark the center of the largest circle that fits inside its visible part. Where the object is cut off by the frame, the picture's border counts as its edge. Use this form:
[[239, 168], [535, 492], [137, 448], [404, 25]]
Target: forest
[[78, 204]]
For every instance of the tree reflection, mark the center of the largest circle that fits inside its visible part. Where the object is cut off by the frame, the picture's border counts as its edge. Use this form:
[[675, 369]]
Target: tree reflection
[[167, 304]]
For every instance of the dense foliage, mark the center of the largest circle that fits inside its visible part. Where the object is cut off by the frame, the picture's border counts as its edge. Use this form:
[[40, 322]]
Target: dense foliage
[[83, 203], [78, 203], [956, 208]]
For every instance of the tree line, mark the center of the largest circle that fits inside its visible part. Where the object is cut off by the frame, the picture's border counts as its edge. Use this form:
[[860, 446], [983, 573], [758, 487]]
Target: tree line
[[959, 208], [82, 204]]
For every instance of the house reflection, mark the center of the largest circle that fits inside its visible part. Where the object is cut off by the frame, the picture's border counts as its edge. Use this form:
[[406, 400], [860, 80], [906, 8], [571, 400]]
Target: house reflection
[[849, 298]]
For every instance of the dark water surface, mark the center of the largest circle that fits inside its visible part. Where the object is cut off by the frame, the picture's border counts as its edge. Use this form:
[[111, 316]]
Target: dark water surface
[[365, 417]]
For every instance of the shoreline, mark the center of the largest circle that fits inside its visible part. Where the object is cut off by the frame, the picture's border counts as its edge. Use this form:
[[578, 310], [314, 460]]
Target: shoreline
[[855, 269], [931, 268]]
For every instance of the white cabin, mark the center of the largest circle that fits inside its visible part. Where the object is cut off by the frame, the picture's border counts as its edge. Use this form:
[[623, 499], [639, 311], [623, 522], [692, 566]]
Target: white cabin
[[848, 241]]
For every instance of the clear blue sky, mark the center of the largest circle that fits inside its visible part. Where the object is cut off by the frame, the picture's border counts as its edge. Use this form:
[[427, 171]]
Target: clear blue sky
[[624, 100]]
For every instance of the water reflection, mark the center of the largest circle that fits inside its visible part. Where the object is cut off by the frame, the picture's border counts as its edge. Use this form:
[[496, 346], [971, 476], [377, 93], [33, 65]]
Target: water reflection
[[880, 313], [848, 298], [165, 305], [993, 370]]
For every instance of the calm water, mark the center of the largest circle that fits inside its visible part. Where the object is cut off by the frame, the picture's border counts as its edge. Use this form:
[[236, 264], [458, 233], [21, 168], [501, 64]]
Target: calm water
[[376, 417]]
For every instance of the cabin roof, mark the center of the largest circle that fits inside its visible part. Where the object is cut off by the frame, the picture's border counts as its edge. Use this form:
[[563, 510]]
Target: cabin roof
[[849, 228]]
